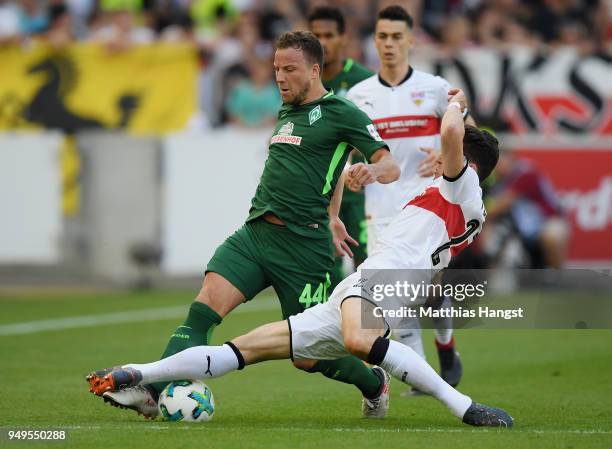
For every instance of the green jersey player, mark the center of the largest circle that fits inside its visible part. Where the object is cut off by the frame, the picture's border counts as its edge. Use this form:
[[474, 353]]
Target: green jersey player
[[286, 241], [339, 75]]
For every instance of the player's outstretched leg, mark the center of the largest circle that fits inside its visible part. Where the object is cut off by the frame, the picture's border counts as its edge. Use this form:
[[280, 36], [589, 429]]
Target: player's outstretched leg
[[198, 362], [405, 365], [216, 298], [267, 342]]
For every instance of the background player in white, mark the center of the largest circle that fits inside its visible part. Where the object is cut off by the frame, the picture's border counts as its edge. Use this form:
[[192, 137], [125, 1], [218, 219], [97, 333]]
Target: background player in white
[[425, 235], [406, 106]]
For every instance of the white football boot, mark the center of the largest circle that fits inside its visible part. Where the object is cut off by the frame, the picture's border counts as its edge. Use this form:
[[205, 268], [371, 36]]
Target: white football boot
[[377, 407], [139, 398]]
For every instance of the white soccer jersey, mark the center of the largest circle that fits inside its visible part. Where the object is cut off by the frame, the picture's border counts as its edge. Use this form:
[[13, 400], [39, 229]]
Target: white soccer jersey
[[407, 117], [433, 226]]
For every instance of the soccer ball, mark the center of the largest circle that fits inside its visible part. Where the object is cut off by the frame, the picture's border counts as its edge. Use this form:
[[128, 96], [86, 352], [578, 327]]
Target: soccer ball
[[186, 400]]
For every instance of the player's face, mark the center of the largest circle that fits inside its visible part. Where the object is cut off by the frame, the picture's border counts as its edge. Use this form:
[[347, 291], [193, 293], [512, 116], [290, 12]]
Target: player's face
[[294, 74], [393, 41], [332, 41]]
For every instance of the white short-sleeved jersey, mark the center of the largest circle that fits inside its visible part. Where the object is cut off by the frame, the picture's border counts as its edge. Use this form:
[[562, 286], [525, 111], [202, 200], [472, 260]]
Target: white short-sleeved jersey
[[433, 226], [407, 117]]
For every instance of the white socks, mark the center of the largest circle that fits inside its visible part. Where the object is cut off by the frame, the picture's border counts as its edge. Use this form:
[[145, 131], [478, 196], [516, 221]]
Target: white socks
[[444, 326], [199, 362], [406, 365], [410, 335]]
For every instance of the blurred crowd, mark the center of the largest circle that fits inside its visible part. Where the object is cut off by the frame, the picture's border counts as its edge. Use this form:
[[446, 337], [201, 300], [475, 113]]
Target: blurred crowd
[[235, 37], [448, 22], [235, 40]]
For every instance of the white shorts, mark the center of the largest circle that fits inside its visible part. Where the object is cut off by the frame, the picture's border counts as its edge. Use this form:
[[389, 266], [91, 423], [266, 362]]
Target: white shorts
[[316, 333]]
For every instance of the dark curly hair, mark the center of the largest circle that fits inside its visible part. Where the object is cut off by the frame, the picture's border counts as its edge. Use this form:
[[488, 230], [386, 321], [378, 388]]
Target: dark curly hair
[[481, 148], [329, 13]]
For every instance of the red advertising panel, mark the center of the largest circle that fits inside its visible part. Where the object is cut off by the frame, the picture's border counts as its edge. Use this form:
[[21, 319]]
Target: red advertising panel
[[583, 179]]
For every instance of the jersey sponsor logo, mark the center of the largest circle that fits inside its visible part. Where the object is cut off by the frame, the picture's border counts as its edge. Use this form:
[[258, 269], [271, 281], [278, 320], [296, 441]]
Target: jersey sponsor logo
[[285, 135], [417, 97], [407, 126], [314, 115], [372, 130]]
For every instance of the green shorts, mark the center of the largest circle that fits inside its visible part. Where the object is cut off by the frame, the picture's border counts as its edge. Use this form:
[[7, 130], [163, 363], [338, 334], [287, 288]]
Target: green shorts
[[262, 254]]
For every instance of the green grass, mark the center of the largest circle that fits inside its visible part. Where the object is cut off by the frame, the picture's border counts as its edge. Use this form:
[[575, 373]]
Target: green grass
[[556, 384]]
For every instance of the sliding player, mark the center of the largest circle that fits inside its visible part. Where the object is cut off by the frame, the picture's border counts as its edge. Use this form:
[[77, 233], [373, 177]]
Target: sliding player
[[430, 229]]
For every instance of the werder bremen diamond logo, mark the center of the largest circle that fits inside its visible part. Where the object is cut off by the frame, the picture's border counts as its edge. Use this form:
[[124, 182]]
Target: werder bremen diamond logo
[[285, 135], [314, 115]]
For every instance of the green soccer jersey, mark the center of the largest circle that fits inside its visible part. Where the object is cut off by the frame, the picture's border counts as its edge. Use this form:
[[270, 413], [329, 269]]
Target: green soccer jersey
[[307, 153], [351, 74]]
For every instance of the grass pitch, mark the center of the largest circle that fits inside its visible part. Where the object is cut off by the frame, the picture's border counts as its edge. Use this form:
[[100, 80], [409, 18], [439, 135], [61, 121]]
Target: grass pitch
[[556, 384]]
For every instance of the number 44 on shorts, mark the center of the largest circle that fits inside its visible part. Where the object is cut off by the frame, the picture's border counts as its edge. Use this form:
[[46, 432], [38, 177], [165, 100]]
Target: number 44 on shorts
[[312, 296]]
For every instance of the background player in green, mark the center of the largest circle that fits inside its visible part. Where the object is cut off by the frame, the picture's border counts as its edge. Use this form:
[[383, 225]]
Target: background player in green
[[340, 74], [286, 241]]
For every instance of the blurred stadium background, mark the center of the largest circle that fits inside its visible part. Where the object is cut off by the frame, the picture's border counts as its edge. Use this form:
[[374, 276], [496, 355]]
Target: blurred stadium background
[[132, 137], [133, 132]]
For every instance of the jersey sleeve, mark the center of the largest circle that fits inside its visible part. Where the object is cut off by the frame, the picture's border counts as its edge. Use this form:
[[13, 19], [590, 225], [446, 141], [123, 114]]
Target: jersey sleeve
[[358, 130], [465, 191], [442, 95]]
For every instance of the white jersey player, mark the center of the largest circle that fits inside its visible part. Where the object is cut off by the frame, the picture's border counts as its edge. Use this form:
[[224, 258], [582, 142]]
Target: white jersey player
[[407, 117], [406, 106], [449, 215]]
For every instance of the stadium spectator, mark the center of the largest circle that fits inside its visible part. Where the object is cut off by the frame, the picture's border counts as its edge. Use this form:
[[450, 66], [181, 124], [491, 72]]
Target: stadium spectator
[[254, 101], [33, 17], [525, 199], [227, 32], [9, 22], [61, 29]]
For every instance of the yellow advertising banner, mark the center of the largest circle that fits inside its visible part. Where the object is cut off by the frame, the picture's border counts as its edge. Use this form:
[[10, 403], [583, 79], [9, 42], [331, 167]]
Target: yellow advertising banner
[[147, 89]]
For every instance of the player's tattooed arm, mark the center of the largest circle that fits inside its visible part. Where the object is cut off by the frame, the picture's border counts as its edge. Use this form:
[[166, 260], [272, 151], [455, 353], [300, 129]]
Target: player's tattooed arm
[[452, 132]]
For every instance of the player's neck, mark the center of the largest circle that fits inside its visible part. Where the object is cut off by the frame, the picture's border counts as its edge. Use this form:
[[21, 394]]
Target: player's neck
[[396, 74], [315, 92], [332, 70]]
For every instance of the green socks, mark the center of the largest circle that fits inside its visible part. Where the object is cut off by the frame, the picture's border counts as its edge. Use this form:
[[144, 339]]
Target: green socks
[[195, 331], [350, 370]]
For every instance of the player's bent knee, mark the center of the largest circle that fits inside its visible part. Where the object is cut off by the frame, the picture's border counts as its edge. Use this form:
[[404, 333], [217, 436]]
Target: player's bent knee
[[358, 344]]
